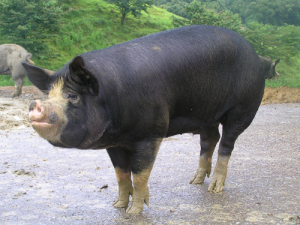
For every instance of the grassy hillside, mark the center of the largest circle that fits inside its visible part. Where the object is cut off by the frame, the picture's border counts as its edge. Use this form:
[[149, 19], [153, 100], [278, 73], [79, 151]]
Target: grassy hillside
[[96, 24], [289, 74]]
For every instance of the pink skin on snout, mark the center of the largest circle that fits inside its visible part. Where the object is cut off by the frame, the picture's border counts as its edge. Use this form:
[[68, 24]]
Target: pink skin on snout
[[37, 115], [45, 119]]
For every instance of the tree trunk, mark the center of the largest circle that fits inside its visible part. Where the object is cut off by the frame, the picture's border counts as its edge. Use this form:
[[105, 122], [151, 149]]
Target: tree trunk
[[123, 18]]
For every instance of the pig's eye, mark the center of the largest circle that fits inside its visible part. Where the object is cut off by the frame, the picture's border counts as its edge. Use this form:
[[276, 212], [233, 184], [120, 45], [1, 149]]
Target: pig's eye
[[70, 96]]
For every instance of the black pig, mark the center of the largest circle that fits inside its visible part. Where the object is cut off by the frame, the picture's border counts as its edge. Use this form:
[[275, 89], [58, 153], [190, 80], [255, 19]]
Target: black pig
[[128, 97]]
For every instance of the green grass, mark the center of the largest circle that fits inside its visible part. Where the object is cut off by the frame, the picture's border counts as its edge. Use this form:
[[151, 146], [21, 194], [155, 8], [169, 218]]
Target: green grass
[[6, 80], [289, 74], [96, 24]]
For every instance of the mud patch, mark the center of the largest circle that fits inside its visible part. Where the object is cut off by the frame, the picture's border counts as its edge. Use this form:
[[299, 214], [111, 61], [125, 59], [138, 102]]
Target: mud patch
[[14, 111], [22, 172], [281, 95], [20, 194]]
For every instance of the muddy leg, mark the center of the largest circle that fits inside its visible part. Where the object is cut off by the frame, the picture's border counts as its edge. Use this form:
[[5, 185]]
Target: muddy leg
[[142, 161], [19, 82], [209, 137], [17, 91], [120, 158], [233, 125]]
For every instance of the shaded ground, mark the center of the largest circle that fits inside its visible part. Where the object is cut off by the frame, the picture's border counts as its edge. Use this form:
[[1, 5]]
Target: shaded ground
[[41, 184]]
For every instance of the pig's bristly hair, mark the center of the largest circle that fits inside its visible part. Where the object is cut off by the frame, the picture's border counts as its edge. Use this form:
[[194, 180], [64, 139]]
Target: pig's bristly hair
[[56, 88]]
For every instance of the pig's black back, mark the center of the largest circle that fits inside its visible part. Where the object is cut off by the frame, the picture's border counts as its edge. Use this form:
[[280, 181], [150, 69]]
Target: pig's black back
[[179, 80]]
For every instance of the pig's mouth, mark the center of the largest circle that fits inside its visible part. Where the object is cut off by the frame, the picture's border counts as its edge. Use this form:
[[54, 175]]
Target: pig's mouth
[[40, 124], [43, 121]]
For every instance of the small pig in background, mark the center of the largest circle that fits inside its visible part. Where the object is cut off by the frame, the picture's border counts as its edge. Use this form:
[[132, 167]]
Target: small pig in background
[[11, 58]]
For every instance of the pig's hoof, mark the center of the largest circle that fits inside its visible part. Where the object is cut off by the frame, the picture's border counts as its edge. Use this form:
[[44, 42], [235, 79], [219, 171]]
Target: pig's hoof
[[137, 202], [200, 176], [123, 198], [125, 191], [120, 203], [136, 207], [217, 184]]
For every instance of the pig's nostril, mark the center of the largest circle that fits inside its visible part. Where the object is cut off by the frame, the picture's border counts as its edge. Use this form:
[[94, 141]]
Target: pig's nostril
[[32, 106]]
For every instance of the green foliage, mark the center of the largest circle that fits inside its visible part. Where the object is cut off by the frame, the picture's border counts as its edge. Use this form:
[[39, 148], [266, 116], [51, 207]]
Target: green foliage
[[6, 80], [60, 2], [273, 41], [218, 5], [29, 23], [87, 25], [200, 14], [289, 74], [131, 6], [269, 41], [275, 12], [177, 7], [95, 24]]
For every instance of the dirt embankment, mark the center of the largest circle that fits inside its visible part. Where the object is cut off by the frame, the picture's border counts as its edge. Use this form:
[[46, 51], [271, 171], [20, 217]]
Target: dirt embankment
[[281, 95], [14, 113]]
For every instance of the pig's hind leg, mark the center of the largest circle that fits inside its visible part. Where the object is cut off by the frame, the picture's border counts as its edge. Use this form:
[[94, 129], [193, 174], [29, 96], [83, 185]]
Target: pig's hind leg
[[209, 137], [121, 159], [234, 123]]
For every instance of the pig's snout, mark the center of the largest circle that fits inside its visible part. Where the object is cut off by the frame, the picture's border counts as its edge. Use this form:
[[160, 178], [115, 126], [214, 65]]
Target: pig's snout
[[36, 111], [45, 119], [39, 113]]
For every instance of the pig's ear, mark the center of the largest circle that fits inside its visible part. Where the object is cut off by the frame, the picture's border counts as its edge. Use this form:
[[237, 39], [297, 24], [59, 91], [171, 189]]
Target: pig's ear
[[82, 76], [37, 76], [277, 61]]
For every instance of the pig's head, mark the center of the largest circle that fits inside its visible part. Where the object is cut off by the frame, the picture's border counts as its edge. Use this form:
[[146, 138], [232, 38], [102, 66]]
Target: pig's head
[[72, 115], [269, 67], [272, 72]]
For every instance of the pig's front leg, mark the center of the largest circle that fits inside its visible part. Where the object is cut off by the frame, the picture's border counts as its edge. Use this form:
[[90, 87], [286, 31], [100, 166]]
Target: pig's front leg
[[121, 159], [143, 157]]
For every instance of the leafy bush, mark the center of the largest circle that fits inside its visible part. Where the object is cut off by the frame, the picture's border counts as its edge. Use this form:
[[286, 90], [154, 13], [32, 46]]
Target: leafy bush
[[273, 41], [30, 23], [200, 14]]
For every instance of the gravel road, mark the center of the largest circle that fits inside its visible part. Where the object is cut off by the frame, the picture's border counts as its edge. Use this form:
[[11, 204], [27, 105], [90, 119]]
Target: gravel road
[[42, 184]]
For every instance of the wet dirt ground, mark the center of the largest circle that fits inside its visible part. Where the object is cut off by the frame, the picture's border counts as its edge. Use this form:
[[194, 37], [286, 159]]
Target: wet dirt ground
[[42, 184]]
